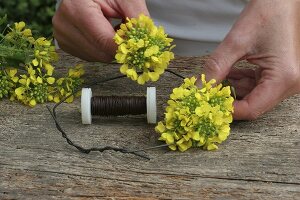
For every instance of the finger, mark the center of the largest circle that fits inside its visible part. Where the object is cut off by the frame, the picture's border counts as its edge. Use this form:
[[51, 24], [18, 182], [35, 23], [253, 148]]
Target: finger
[[261, 99], [243, 80], [242, 86], [123, 9], [220, 62], [73, 42], [91, 22], [85, 51], [108, 10], [133, 8], [238, 73]]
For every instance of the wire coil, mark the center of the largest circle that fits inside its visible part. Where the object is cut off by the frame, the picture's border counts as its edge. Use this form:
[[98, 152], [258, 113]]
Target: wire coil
[[118, 105]]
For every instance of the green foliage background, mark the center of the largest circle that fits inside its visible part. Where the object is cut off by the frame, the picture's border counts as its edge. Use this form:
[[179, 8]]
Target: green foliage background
[[36, 13]]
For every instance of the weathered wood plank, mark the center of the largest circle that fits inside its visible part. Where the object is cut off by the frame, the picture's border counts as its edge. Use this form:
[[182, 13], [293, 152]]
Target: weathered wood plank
[[43, 184], [260, 160]]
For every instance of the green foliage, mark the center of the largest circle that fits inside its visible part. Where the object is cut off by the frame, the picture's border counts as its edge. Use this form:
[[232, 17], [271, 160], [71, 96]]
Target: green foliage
[[37, 13]]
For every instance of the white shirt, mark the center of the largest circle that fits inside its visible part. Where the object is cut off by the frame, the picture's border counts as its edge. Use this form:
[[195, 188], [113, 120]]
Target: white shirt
[[196, 25]]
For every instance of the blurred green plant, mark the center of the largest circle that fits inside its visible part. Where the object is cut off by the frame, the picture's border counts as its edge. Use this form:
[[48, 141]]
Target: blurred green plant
[[37, 13]]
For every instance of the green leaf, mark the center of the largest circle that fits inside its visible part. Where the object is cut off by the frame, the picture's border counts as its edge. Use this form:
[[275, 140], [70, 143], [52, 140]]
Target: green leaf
[[3, 20]]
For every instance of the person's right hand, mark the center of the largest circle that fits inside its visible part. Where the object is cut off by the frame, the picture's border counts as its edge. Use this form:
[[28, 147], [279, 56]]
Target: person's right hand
[[267, 34], [83, 28]]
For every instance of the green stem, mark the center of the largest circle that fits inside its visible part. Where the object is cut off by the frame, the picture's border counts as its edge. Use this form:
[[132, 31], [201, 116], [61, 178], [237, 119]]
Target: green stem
[[1, 34], [13, 57]]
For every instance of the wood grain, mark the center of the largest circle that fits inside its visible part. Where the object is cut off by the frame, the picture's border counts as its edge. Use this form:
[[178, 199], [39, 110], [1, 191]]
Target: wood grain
[[260, 160]]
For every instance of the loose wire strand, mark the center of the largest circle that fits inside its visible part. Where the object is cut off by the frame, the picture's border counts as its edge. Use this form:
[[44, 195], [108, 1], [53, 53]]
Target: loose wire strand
[[105, 148], [174, 73]]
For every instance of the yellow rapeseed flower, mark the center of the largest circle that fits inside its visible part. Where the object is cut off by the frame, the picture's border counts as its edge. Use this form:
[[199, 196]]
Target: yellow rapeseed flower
[[19, 31], [144, 50], [67, 85], [33, 88], [44, 55], [8, 80], [197, 117], [34, 83]]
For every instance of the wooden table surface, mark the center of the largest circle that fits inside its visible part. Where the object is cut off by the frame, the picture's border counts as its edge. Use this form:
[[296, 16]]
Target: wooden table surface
[[260, 160]]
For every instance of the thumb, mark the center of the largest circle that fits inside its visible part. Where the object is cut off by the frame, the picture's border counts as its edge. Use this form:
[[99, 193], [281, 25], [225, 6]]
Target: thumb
[[133, 8], [219, 63]]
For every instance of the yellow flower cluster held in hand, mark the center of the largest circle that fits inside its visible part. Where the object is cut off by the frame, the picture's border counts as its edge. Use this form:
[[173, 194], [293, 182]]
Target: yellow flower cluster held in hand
[[26, 70], [197, 117], [144, 50]]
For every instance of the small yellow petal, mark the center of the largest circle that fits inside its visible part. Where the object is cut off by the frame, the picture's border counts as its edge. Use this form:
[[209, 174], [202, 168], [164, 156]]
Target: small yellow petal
[[173, 147], [119, 40], [49, 68], [70, 99], [15, 79], [56, 99], [151, 51], [140, 43], [154, 76], [12, 72], [19, 91], [160, 127], [120, 57], [39, 80], [19, 26], [196, 136], [27, 32], [212, 146], [169, 139], [35, 62], [23, 81], [32, 103], [124, 68], [123, 48], [50, 80], [50, 97], [141, 80], [132, 74]]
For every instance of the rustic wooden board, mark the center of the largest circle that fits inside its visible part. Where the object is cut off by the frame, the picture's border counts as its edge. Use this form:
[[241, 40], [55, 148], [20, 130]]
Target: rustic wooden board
[[260, 160]]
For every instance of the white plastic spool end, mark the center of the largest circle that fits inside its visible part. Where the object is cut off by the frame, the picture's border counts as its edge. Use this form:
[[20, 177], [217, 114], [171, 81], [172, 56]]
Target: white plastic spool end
[[86, 113], [151, 105]]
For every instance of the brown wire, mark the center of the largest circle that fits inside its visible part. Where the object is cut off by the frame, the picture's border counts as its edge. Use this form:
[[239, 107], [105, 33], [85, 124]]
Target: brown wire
[[118, 105]]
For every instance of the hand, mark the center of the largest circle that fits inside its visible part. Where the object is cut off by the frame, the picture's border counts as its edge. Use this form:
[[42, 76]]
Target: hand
[[266, 34], [83, 28]]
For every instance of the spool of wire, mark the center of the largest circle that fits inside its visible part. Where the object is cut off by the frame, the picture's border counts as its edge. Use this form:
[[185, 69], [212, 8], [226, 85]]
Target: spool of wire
[[118, 105]]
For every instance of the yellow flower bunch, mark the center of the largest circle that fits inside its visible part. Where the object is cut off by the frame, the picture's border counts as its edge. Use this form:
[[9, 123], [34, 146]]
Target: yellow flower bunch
[[67, 85], [197, 117], [34, 82], [44, 54], [20, 35], [144, 50], [8, 80], [33, 88]]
